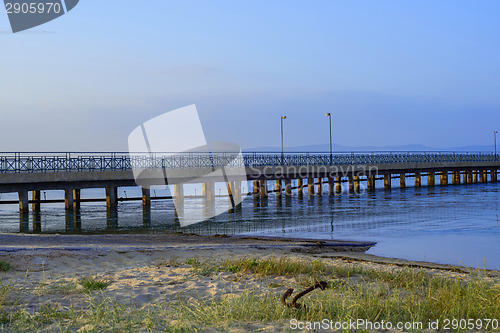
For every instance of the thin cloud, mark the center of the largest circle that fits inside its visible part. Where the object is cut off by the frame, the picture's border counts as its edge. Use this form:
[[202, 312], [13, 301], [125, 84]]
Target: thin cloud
[[191, 70]]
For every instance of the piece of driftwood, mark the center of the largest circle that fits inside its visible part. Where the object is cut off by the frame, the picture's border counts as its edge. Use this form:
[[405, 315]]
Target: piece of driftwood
[[321, 284]]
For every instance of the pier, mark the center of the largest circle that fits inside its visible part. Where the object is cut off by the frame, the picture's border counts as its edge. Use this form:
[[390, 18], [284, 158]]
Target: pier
[[27, 174]]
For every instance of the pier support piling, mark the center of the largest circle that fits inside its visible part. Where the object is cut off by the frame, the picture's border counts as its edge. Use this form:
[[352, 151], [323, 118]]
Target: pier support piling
[[263, 188], [146, 196], [418, 179], [338, 185], [300, 186], [481, 176], [288, 187], [357, 185], [331, 186], [402, 180], [77, 198], [310, 186], [179, 199], [279, 188], [207, 190], [351, 184], [23, 202], [237, 191], [444, 178], [255, 188], [111, 196], [431, 178], [35, 197], [387, 181], [370, 183], [68, 199], [319, 185], [493, 175]]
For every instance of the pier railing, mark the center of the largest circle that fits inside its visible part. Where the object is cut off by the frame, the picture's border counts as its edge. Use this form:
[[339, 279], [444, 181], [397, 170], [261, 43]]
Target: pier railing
[[78, 162]]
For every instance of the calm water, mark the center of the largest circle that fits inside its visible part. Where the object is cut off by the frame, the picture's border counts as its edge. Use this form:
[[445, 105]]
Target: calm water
[[451, 224]]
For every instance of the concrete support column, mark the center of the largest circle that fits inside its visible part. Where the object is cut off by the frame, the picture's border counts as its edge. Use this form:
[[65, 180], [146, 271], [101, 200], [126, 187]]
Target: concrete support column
[[370, 183], [418, 179], [320, 185], [263, 188], [402, 180], [300, 186], [456, 177], [310, 186], [207, 190], [68, 199], [35, 197], [356, 184], [481, 176], [288, 187], [351, 183], [431, 178], [464, 177], [146, 196], [23, 202], [237, 191], [476, 176], [111, 196], [338, 185], [387, 181], [331, 186], [470, 177], [179, 199], [279, 188], [77, 198], [444, 178], [255, 189], [493, 175]]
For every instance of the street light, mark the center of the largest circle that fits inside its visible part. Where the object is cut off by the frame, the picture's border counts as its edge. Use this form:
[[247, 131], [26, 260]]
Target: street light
[[282, 152], [330, 118], [495, 134]]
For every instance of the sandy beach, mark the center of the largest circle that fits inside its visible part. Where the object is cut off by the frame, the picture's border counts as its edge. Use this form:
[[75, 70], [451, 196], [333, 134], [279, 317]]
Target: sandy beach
[[143, 270]]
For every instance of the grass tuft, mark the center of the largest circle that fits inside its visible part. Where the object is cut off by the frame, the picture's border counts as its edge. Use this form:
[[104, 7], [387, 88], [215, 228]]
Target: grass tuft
[[4, 266], [90, 283]]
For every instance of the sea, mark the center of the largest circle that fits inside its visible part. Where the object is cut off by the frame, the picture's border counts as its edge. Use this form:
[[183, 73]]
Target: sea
[[452, 224]]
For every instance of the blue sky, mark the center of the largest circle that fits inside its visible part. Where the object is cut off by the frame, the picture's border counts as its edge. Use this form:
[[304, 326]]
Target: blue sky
[[390, 72]]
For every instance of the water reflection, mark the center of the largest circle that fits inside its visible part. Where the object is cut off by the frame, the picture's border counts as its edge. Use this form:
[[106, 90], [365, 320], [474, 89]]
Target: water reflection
[[387, 217], [37, 222], [112, 218], [24, 222]]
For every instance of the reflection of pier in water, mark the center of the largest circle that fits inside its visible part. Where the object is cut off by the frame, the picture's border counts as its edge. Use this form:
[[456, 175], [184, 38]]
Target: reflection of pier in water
[[341, 214]]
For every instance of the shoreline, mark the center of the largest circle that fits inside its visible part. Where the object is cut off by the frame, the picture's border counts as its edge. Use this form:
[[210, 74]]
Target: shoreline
[[153, 280], [351, 250]]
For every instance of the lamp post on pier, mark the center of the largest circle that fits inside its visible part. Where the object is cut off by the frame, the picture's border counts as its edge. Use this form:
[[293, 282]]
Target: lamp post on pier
[[282, 151], [495, 135], [330, 118]]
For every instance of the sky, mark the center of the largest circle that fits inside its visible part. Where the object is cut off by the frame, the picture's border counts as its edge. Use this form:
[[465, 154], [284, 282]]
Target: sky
[[389, 72]]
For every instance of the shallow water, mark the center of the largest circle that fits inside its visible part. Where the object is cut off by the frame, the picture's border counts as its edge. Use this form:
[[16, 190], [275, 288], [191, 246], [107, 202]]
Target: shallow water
[[454, 224]]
